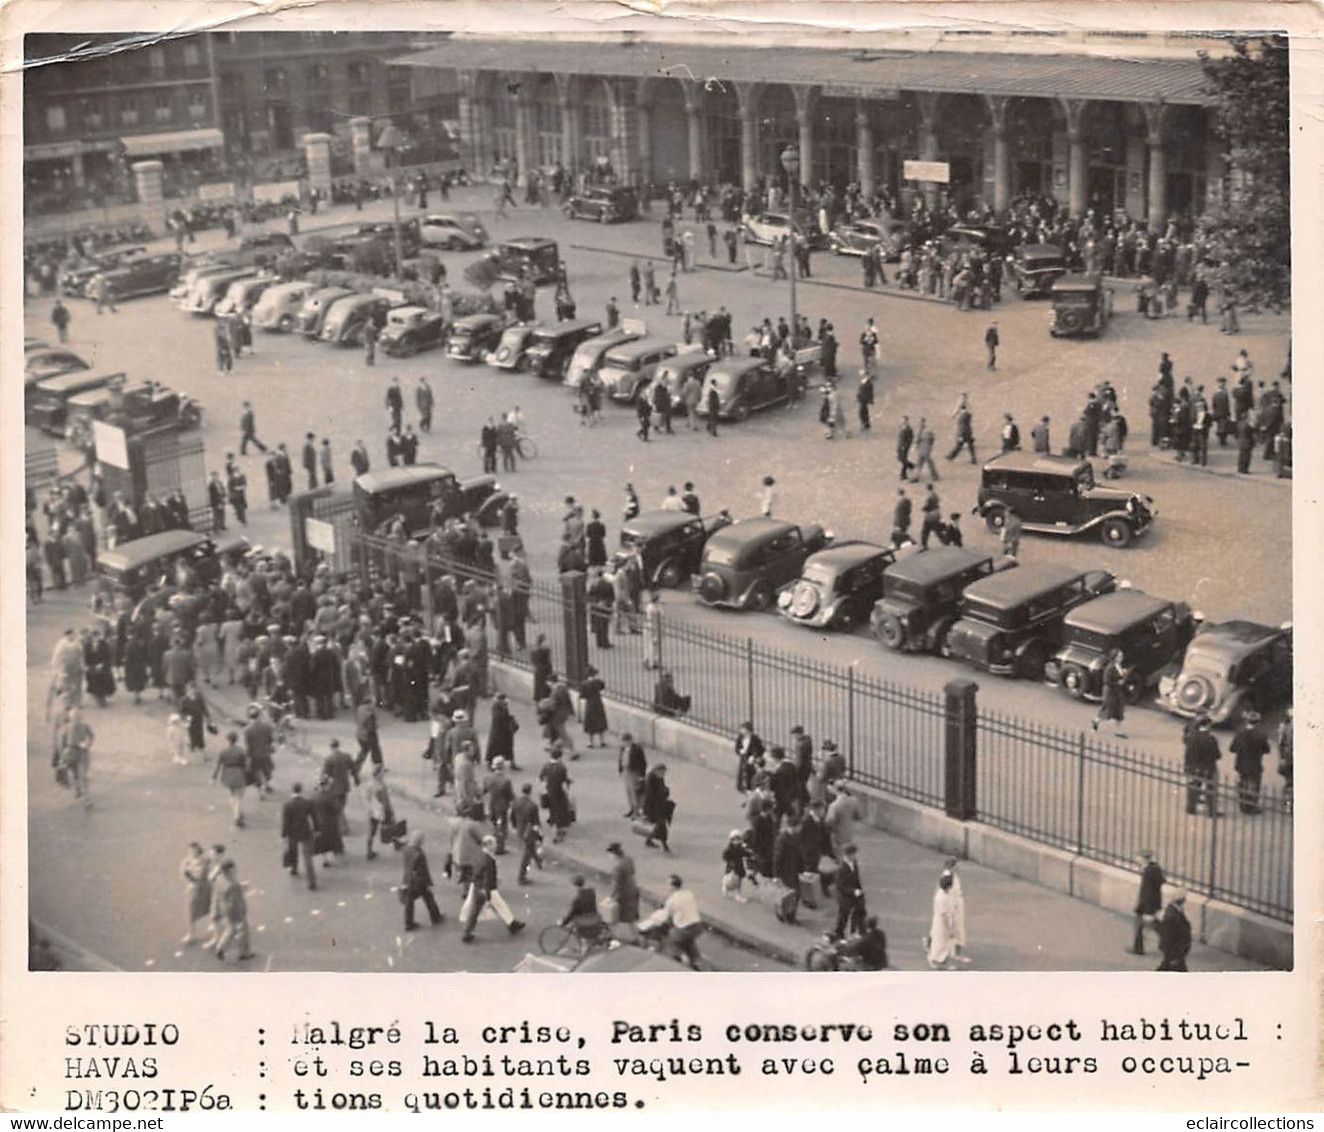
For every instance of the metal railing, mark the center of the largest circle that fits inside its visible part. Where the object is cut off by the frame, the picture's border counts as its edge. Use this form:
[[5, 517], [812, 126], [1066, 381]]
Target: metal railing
[[1061, 788]]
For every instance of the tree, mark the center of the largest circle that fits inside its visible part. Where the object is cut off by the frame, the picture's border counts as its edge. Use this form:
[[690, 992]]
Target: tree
[[1250, 234]]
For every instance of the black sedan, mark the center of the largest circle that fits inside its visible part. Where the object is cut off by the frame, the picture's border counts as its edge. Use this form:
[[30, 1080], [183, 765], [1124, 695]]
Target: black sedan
[[410, 331]]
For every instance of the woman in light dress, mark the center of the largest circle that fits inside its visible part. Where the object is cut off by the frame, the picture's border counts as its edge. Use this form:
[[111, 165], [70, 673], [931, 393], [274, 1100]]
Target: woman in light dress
[[946, 939]]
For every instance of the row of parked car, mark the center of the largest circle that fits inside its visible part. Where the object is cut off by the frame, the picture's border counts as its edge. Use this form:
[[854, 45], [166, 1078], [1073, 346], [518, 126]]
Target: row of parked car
[[1037, 621]]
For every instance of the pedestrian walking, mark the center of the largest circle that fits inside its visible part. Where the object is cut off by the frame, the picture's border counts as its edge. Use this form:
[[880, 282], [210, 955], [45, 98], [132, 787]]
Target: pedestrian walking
[[230, 912], [231, 771], [1149, 900], [632, 767], [594, 719], [196, 872], [424, 400], [941, 946], [869, 346], [310, 459], [673, 293], [416, 883], [556, 794], [1249, 745], [713, 407], [248, 430], [526, 820], [636, 282], [483, 891], [1011, 434], [905, 437], [1200, 763], [659, 809], [901, 517], [75, 754], [298, 826], [370, 335], [864, 399], [850, 894], [767, 497], [1112, 700], [931, 516], [624, 886], [991, 343], [60, 320], [1174, 931], [1039, 435], [965, 433]]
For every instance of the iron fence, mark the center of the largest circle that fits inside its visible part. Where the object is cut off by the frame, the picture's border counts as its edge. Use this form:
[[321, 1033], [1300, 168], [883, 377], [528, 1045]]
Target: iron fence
[[1061, 788]]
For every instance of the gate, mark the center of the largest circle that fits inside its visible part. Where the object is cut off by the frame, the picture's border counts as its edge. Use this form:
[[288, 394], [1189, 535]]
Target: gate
[[171, 461], [324, 526]]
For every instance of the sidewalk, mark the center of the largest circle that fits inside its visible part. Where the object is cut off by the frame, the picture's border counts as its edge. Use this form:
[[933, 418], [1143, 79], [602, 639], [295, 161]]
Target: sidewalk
[[1012, 925]]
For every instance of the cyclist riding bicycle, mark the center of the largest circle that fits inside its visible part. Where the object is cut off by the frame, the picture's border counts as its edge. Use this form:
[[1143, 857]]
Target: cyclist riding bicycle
[[583, 918]]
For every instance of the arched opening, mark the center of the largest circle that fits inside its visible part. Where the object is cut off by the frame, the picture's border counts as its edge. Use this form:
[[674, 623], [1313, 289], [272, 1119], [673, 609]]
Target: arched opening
[[596, 141], [963, 124], [545, 114], [1107, 130], [835, 159], [722, 115], [1185, 144], [777, 129], [1030, 126], [669, 137]]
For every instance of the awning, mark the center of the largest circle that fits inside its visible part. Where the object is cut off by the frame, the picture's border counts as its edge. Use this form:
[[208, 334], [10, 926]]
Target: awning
[[179, 141]]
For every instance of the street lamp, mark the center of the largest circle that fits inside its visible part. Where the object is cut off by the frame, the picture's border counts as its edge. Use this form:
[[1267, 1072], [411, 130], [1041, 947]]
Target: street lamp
[[391, 140], [790, 159]]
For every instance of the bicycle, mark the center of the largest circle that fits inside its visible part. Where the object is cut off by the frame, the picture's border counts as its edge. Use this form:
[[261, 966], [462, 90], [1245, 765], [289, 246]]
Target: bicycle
[[581, 942]]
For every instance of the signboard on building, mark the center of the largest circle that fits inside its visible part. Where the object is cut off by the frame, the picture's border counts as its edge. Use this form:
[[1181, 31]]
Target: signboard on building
[[275, 190], [112, 445], [939, 171], [869, 93], [320, 534], [222, 191]]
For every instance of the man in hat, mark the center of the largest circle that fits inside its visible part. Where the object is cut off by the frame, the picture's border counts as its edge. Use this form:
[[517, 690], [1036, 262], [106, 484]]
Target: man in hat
[[624, 886], [1174, 931], [850, 894], [1149, 903], [298, 826], [338, 768], [366, 732], [1200, 760], [1250, 744], [500, 795], [417, 882], [260, 742], [483, 890], [749, 755], [632, 766]]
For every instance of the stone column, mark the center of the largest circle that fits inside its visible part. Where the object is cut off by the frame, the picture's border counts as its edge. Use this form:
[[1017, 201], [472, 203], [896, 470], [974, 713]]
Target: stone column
[[317, 153], [360, 143], [694, 124], [644, 112], [1077, 174], [806, 106], [1215, 170], [569, 131], [997, 109], [864, 148], [76, 167], [928, 142], [149, 180], [475, 149], [625, 130], [749, 95], [523, 126], [1158, 168]]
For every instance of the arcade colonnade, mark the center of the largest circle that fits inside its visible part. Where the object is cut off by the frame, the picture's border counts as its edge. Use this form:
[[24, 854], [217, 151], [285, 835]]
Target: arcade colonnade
[[1151, 158]]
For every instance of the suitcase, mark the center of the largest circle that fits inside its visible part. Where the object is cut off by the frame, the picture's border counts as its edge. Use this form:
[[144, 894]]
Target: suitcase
[[643, 828], [809, 889]]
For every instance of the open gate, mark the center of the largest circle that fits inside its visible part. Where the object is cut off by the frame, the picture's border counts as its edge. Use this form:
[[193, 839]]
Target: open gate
[[324, 527]]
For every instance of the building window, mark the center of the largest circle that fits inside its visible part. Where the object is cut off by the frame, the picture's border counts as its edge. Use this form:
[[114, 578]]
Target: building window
[[274, 79], [359, 74], [317, 75], [56, 122], [163, 110], [89, 113], [192, 55], [129, 112], [359, 102], [197, 106], [156, 62]]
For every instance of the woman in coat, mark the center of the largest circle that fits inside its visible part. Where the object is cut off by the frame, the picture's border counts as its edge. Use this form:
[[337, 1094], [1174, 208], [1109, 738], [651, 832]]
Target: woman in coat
[[556, 792], [135, 664], [326, 808], [207, 649], [562, 711], [1112, 702], [193, 707], [595, 714], [501, 733], [540, 657], [157, 645], [99, 659], [658, 806], [195, 870], [467, 793], [231, 771]]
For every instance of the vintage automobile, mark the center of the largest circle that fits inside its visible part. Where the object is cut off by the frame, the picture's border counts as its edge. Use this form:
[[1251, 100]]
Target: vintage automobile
[[603, 204], [745, 564], [1011, 621], [455, 232], [30, 343], [550, 348], [471, 337], [1056, 495], [669, 543], [46, 405], [629, 367], [244, 294], [193, 274], [992, 239], [258, 249], [857, 237], [411, 330], [509, 350], [209, 290], [41, 364], [1229, 668], [837, 587], [769, 227], [1036, 267], [134, 567], [383, 231], [922, 596], [347, 319], [675, 371], [539, 257], [1082, 306], [1151, 632], [413, 493], [745, 385], [588, 355], [141, 275], [316, 306], [279, 306], [141, 410], [74, 280]]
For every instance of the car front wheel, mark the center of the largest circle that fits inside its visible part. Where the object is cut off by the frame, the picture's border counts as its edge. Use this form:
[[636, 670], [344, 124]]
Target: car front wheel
[[670, 576], [1116, 533], [1073, 680], [760, 597], [890, 632]]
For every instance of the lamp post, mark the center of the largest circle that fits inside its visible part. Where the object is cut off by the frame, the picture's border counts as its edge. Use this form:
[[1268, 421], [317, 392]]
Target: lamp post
[[790, 159], [391, 139]]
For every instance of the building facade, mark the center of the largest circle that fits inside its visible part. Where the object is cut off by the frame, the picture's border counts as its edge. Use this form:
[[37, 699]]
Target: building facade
[[1097, 123]]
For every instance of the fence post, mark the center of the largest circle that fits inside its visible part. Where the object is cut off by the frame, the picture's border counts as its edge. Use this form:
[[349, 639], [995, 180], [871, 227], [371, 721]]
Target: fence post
[[749, 672], [575, 613], [959, 749], [1080, 796], [1215, 810], [850, 720]]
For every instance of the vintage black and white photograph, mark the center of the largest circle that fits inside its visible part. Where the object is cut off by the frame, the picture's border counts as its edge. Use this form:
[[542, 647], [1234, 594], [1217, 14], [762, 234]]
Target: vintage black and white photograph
[[658, 496]]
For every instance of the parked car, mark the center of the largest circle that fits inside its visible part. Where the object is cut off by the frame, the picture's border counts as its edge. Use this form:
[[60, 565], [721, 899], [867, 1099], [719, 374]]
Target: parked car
[[508, 353], [1011, 621], [41, 364], [673, 372], [837, 587], [424, 493], [1229, 668], [195, 273], [209, 290], [30, 343], [745, 564], [669, 543], [46, 405], [316, 306], [992, 239], [629, 367], [745, 385], [860, 236], [347, 319], [922, 596], [1057, 495], [603, 204], [456, 232], [258, 249], [411, 330], [279, 306], [74, 280], [141, 410], [471, 337], [550, 348], [769, 227], [134, 567], [244, 294], [1036, 267], [142, 275], [383, 231], [1152, 633], [588, 355], [1082, 306], [540, 257]]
